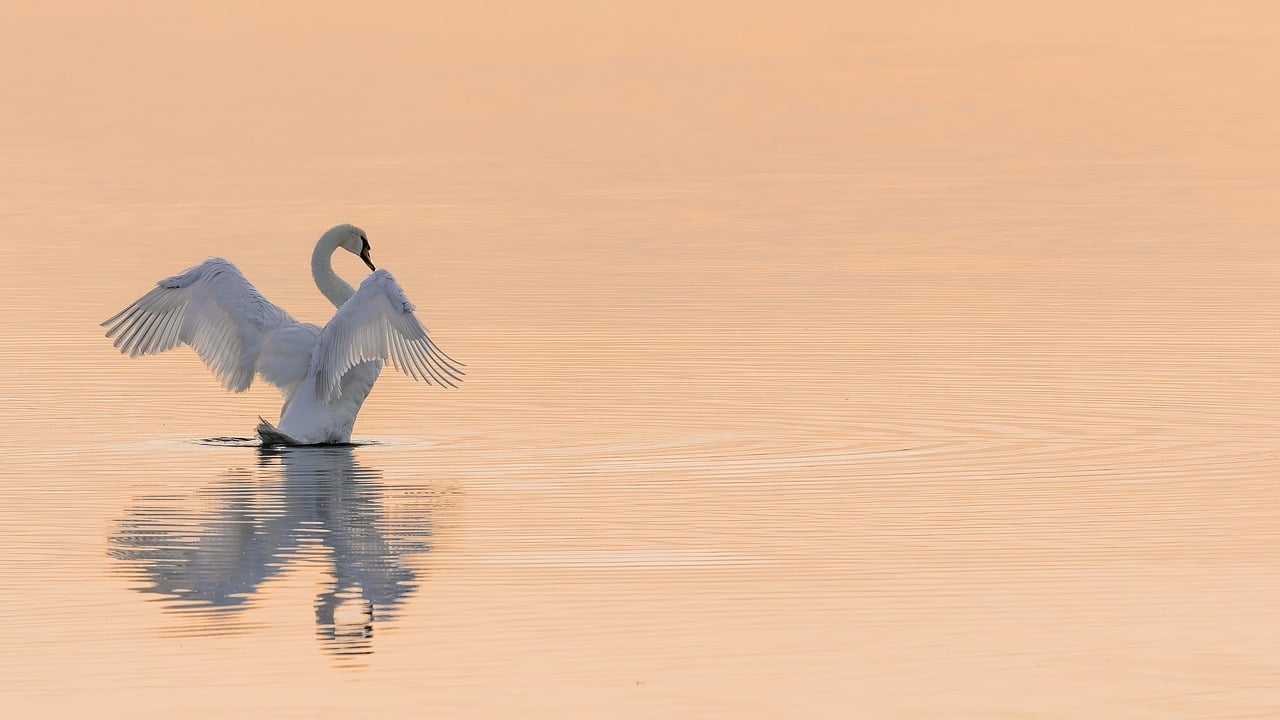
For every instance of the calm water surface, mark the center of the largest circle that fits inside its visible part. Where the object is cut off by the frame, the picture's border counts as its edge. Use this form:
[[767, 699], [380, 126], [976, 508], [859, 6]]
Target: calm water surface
[[823, 362]]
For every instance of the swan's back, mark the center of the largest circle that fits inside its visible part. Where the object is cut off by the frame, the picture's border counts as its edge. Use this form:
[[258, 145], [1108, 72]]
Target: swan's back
[[286, 356]]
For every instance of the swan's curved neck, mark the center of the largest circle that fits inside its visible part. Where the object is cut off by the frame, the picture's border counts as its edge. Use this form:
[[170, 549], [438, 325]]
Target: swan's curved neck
[[335, 288]]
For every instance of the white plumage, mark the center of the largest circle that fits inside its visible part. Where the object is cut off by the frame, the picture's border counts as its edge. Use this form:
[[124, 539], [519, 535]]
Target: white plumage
[[325, 373]]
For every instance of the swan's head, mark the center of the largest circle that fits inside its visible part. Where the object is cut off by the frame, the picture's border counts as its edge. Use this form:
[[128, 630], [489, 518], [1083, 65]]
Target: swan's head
[[352, 239]]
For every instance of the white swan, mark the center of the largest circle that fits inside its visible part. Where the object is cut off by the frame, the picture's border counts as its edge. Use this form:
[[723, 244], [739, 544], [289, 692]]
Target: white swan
[[325, 373]]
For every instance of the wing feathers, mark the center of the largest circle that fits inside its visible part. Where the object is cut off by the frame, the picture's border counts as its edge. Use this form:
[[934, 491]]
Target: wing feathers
[[237, 332], [378, 323], [210, 307]]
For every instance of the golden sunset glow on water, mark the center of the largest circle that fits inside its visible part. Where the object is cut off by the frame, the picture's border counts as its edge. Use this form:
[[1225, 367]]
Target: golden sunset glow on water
[[824, 360]]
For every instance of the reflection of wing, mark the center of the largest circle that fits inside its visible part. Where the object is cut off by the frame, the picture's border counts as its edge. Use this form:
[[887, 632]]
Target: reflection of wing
[[378, 323], [294, 499], [366, 549], [220, 558]]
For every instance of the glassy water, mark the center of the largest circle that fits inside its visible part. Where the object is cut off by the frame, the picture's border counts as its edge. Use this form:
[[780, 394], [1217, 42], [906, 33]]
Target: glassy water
[[208, 555], [823, 361]]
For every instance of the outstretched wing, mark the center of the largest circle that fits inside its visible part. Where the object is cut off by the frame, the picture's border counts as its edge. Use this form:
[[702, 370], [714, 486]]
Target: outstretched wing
[[212, 308], [378, 323]]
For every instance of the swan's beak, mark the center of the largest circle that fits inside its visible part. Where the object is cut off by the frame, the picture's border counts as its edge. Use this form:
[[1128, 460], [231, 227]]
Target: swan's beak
[[364, 255]]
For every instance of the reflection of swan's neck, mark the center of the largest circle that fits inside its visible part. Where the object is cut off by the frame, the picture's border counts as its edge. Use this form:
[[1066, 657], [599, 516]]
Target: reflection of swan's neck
[[335, 288]]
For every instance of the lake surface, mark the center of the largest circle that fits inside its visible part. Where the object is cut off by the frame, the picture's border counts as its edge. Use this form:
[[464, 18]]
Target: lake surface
[[824, 361]]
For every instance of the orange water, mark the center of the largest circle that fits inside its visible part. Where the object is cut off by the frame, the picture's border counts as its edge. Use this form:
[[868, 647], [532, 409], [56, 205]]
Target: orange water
[[825, 361]]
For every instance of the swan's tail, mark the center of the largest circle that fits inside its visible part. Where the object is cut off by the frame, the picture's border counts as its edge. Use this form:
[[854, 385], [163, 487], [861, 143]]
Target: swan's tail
[[271, 435]]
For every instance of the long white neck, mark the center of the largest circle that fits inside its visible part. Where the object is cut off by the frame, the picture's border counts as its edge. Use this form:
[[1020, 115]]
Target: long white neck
[[335, 288]]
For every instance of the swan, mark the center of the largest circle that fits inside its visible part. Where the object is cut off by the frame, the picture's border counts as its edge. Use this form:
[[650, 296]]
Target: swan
[[325, 374]]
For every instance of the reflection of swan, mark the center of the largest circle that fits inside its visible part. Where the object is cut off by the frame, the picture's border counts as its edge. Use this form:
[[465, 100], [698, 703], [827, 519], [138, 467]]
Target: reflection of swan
[[325, 374], [298, 501]]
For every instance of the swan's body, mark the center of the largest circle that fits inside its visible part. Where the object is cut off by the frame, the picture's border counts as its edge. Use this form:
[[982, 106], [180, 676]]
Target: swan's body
[[324, 373]]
